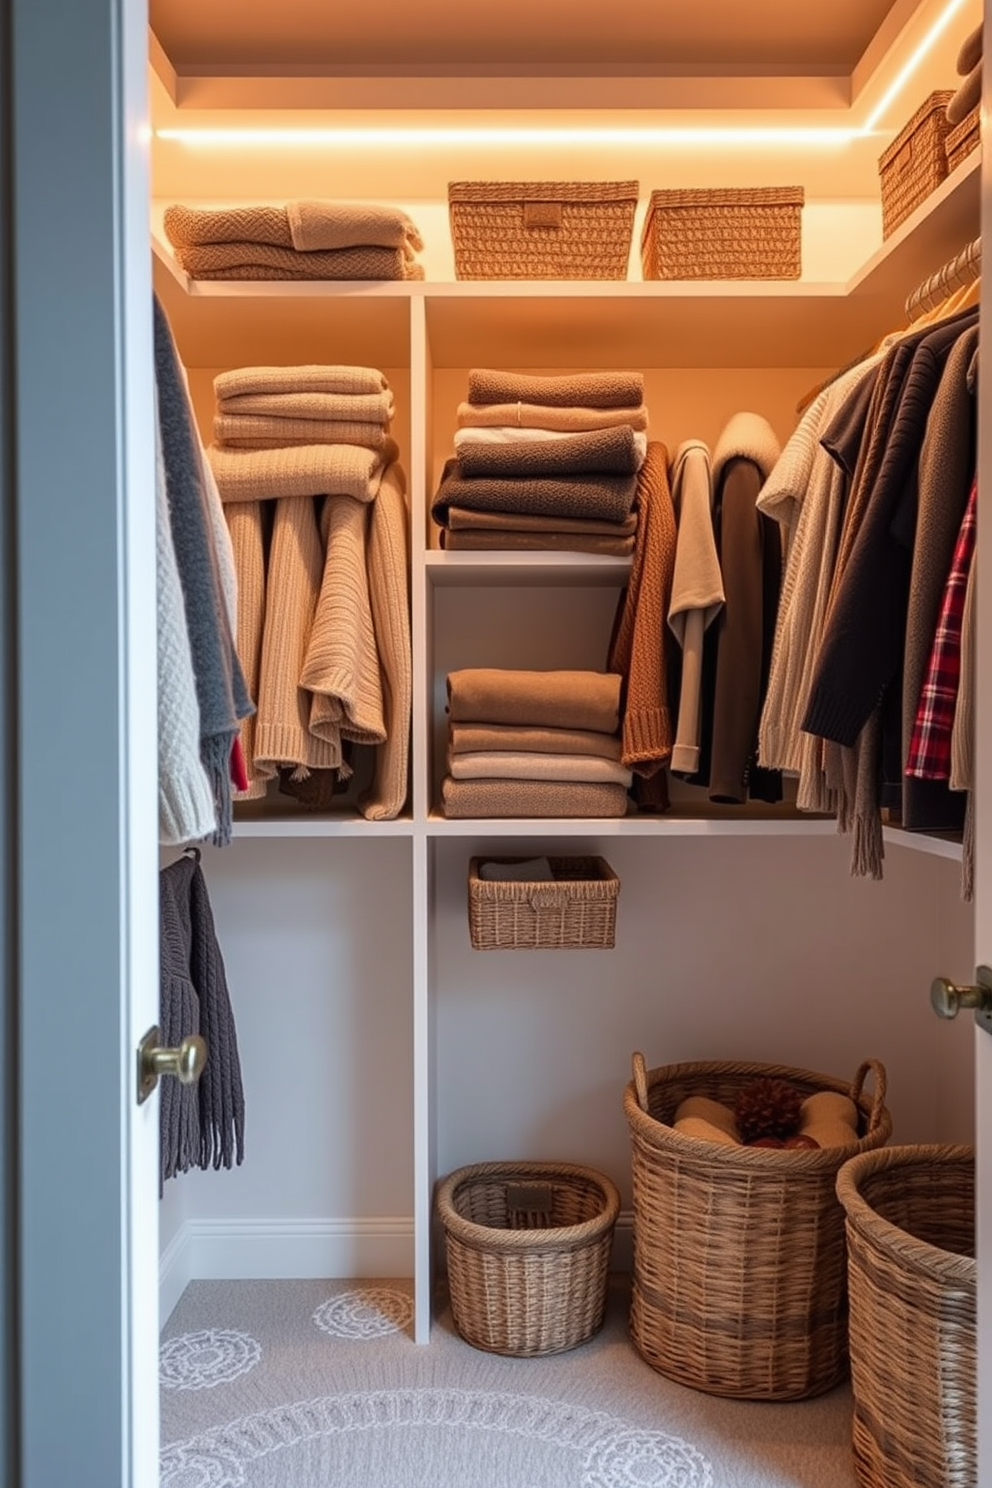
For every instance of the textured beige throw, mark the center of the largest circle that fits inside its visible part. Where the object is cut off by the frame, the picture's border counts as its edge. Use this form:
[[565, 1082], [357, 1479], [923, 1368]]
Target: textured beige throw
[[375, 408], [261, 431], [541, 416], [531, 798], [246, 260], [299, 470], [469, 738], [508, 764], [305, 225], [261, 272], [292, 381], [555, 699], [573, 389]]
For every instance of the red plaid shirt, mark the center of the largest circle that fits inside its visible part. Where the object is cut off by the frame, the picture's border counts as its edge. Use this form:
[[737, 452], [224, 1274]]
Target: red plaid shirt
[[930, 747]]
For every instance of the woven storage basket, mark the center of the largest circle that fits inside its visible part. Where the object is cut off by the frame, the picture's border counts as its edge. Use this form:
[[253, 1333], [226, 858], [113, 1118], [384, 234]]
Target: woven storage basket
[[910, 1236], [963, 138], [915, 163], [732, 234], [578, 910], [528, 1248], [739, 1283], [541, 229]]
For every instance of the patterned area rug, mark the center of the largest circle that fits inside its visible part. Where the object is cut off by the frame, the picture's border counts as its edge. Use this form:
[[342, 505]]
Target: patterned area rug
[[310, 1384]]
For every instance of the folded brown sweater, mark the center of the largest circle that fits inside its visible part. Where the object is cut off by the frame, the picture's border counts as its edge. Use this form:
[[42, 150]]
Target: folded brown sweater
[[573, 389], [606, 497], [598, 451], [554, 699], [543, 416], [264, 260], [504, 539], [469, 738], [531, 798], [260, 431], [461, 518]]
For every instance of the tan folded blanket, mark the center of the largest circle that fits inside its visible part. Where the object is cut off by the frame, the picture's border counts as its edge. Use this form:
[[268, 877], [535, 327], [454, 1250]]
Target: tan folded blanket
[[260, 431], [583, 389], [265, 260], [247, 273], [505, 764], [531, 798], [303, 470], [508, 434], [291, 381], [186, 226], [555, 699], [604, 497], [304, 225], [967, 97], [468, 738], [389, 590], [596, 452], [375, 409], [462, 517], [543, 416], [503, 540]]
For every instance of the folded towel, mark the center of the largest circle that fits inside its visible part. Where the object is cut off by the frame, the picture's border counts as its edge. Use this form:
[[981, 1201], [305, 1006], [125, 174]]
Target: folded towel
[[508, 434], [302, 470], [531, 870], [265, 260], [967, 97], [604, 497], [467, 738], [187, 226], [461, 518], [585, 389], [555, 699], [531, 798], [596, 452], [248, 273], [374, 408], [543, 416], [261, 431], [292, 381], [305, 225], [507, 764], [971, 52], [502, 539]]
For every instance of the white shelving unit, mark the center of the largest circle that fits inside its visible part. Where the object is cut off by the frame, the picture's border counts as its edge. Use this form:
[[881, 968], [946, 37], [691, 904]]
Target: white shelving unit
[[731, 343]]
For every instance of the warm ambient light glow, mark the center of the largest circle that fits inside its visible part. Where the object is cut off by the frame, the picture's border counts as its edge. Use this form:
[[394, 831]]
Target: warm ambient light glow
[[502, 135]]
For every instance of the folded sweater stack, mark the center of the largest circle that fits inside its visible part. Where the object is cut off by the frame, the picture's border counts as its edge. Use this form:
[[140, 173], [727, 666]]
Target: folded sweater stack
[[534, 744], [303, 240], [545, 462], [318, 521]]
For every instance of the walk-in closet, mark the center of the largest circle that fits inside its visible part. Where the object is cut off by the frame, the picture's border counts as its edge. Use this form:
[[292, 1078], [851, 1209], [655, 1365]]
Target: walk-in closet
[[379, 1050]]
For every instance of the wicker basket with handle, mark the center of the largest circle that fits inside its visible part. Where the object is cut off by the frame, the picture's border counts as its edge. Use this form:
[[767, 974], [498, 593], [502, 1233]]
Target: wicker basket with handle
[[541, 229], [915, 163], [739, 1278], [734, 233], [578, 910], [912, 1275], [528, 1248]]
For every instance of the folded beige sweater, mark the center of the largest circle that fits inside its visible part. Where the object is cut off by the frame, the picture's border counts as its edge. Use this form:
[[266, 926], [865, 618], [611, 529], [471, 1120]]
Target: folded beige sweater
[[573, 389], [375, 408], [555, 699], [304, 225], [300, 470], [261, 431], [292, 381], [246, 273], [508, 764], [246, 260], [521, 415], [469, 738], [531, 798]]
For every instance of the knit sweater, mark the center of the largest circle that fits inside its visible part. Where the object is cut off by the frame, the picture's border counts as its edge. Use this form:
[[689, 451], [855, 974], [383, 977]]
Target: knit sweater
[[598, 451], [605, 497], [570, 390], [551, 699], [697, 591]]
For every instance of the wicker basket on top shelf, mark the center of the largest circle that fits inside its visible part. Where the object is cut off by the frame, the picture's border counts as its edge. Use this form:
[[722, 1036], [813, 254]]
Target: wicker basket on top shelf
[[963, 138], [738, 233], [916, 161], [541, 229]]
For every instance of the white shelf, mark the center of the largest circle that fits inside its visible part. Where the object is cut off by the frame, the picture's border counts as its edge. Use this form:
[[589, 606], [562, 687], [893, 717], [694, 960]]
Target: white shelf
[[933, 847], [527, 568], [318, 826]]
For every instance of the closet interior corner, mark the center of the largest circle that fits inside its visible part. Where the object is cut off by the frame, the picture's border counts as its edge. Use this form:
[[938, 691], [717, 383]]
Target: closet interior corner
[[379, 1050]]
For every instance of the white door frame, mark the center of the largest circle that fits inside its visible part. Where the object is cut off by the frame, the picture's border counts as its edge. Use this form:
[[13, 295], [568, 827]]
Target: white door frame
[[86, 828]]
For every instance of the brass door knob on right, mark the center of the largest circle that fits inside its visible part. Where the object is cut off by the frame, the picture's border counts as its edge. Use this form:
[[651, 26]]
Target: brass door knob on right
[[947, 998]]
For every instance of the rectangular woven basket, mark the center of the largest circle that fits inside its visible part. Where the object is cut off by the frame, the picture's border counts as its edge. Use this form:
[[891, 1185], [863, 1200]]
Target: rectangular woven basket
[[746, 233], [541, 229], [578, 910], [740, 1271], [910, 1215], [963, 138], [915, 163]]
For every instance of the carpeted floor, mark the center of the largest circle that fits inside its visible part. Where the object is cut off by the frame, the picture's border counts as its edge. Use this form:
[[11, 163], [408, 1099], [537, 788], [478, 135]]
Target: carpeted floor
[[313, 1384]]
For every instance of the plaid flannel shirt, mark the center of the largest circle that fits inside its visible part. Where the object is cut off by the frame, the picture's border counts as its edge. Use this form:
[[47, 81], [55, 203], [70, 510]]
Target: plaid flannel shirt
[[930, 747]]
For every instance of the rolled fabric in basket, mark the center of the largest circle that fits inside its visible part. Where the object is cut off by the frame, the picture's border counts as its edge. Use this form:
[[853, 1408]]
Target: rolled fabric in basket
[[830, 1118], [713, 1112], [706, 1131]]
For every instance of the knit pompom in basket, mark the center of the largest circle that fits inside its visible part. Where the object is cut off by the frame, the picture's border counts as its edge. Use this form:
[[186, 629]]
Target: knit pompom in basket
[[528, 1248], [740, 1271]]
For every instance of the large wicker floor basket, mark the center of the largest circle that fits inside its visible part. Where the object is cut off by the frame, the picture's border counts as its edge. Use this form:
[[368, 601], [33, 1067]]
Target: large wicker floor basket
[[911, 1235], [528, 1248], [739, 1284]]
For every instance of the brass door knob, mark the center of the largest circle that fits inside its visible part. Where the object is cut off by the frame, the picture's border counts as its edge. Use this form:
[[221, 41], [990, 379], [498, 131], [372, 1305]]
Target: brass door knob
[[186, 1062], [947, 998]]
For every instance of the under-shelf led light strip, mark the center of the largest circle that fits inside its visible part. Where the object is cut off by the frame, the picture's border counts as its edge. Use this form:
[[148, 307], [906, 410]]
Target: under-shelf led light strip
[[418, 135]]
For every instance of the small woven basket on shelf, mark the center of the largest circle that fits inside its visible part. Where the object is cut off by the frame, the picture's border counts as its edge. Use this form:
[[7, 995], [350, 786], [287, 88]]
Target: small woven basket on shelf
[[915, 163], [739, 1277], [963, 138], [738, 233], [576, 911], [541, 229], [528, 1249], [912, 1274]]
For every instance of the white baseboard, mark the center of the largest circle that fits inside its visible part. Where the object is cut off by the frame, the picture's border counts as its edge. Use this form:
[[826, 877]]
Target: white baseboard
[[270, 1250]]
